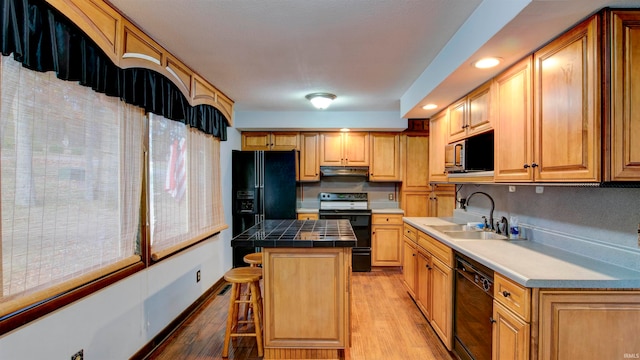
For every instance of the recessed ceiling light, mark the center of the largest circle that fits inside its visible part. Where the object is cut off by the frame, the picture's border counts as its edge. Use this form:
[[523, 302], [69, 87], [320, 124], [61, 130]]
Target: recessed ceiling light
[[430, 106], [486, 63]]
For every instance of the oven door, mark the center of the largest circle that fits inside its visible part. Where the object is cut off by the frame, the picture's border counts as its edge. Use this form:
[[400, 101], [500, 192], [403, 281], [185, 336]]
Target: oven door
[[361, 223]]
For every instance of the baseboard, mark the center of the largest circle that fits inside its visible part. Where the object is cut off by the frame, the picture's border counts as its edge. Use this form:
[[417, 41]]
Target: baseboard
[[149, 347]]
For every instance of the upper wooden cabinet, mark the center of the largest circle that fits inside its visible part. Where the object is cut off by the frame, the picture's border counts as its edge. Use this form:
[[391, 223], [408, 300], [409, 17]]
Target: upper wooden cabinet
[[309, 157], [623, 159], [385, 157], [566, 113], [470, 115], [415, 163], [511, 100], [258, 140], [437, 141], [344, 148]]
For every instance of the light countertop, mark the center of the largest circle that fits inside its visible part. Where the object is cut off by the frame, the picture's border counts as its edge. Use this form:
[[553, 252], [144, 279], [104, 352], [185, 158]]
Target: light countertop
[[531, 264], [373, 211]]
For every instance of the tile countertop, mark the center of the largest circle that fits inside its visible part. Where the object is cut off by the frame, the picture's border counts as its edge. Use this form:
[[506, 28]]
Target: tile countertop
[[373, 211], [534, 265]]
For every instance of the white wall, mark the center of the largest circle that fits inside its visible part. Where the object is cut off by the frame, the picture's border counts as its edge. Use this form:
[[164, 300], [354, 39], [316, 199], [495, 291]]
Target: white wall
[[119, 320]]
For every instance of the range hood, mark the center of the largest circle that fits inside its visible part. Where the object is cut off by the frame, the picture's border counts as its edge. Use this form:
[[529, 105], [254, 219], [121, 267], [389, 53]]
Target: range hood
[[349, 171]]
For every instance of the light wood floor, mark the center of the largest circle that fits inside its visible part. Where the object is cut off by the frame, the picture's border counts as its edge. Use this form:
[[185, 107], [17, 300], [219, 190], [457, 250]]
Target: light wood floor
[[386, 325]]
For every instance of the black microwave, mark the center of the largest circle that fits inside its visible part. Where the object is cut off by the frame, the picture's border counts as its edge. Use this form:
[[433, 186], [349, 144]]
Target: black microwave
[[471, 154]]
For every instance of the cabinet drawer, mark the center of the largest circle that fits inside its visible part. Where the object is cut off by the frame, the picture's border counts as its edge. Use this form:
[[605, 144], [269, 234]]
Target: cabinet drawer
[[308, 216], [513, 296], [441, 251], [411, 232], [386, 219]]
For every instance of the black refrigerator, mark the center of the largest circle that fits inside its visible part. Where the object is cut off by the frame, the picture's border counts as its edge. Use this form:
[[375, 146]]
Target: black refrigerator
[[264, 187]]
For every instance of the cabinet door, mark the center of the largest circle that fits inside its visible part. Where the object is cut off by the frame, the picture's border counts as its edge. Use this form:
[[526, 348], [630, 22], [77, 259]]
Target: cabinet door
[[386, 245], [438, 140], [331, 152], [252, 141], [478, 101], [356, 149], [416, 204], [567, 110], [416, 164], [423, 290], [385, 157], [611, 317], [309, 157], [511, 335], [284, 141], [457, 120], [513, 148], [442, 301], [625, 97], [409, 261], [443, 200], [307, 216]]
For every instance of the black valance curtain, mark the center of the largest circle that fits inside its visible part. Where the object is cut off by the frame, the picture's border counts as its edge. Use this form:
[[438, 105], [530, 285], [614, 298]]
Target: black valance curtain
[[43, 40]]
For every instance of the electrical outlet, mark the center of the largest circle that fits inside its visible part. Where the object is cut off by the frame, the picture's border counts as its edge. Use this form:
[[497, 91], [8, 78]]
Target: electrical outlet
[[198, 276], [78, 356], [639, 235], [539, 189], [512, 188], [390, 196]]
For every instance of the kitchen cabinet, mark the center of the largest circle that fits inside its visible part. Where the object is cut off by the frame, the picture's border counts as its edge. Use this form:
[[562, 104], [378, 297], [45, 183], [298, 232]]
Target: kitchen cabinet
[[424, 266], [259, 140], [386, 239], [385, 157], [344, 148], [511, 335], [513, 122], [567, 98], [415, 189], [623, 157], [409, 258], [470, 115], [429, 277], [437, 141], [560, 140], [309, 156], [308, 216], [442, 200], [588, 324]]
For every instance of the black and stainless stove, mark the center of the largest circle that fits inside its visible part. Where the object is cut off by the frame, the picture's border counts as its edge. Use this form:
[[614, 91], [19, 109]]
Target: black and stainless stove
[[355, 208]]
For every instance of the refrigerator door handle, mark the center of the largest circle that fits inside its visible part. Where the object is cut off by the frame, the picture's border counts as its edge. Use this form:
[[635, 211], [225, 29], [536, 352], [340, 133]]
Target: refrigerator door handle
[[256, 173]]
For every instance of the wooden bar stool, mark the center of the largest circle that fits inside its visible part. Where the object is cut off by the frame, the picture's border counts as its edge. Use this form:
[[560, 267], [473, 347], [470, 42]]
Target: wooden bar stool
[[237, 277], [253, 259]]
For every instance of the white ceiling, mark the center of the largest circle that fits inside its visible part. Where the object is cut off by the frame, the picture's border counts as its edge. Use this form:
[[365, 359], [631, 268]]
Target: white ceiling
[[375, 55]]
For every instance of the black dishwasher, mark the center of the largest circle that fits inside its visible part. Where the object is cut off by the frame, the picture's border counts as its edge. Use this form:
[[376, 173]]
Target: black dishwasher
[[473, 310]]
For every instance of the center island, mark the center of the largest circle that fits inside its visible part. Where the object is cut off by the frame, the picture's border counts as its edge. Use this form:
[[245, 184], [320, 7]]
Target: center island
[[307, 276]]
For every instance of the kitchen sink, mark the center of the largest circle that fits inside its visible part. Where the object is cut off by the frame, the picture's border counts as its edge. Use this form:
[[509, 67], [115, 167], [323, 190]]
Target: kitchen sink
[[475, 235], [454, 227]]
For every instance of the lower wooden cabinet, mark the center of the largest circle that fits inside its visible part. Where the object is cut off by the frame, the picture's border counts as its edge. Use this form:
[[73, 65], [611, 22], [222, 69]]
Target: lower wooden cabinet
[[589, 324], [409, 261], [423, 278], [441, 281], [511, 335], [386, 240]]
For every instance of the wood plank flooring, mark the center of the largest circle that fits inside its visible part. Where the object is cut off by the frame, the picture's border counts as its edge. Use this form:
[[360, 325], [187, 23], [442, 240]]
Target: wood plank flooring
[[386, 325]]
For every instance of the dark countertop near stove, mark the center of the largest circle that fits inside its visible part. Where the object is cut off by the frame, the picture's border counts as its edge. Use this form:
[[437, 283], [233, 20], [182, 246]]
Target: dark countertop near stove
[[297, 234]]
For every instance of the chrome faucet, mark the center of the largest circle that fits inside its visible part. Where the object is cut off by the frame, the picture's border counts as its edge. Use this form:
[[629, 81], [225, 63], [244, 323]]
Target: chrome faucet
[[465, 202]]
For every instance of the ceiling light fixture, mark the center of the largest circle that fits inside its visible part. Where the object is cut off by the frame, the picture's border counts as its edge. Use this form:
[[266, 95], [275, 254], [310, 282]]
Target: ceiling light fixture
[[430, 106], [321, 100], [486, 63]]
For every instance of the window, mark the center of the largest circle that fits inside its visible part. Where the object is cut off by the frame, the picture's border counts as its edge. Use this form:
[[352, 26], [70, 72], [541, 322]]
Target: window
[[184, 188], [71, 185]]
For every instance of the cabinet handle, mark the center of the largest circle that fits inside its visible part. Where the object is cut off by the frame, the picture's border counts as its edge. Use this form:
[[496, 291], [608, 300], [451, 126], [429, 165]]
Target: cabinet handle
[[534, 165], [506, 293], [492, 320], [413, 254], [526, 166]]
